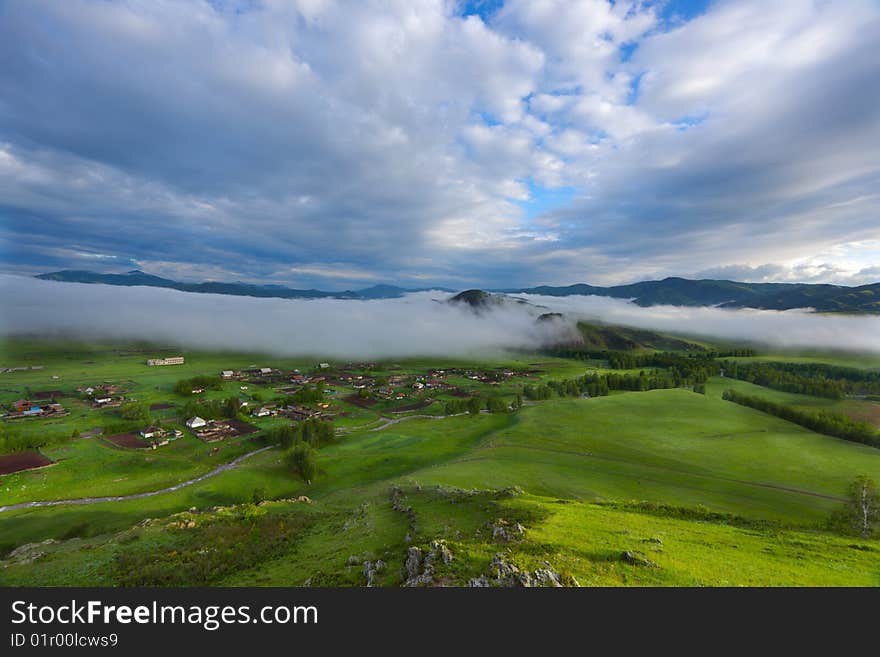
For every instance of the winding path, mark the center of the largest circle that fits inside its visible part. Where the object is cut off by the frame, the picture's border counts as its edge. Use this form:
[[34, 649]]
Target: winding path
[[207, 475], [136, 496], [391, 421]]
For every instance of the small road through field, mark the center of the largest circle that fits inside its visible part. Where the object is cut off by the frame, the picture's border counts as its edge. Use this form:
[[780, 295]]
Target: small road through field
[[136, 496]]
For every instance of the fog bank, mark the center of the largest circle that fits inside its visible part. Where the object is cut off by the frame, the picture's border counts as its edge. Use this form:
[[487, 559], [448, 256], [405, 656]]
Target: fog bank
[[787, 329], [411, 326]]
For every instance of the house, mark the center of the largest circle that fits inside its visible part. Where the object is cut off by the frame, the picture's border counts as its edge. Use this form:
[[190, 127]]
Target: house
[[196, 422], [104, 400], [227, 374], [171, 360], [262, 412], [21, 405], [265, 370], [323, 366], [149, 432], [35, 410]]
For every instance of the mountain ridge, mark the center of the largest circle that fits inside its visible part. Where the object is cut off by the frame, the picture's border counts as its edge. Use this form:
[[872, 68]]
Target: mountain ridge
[[673, 291]]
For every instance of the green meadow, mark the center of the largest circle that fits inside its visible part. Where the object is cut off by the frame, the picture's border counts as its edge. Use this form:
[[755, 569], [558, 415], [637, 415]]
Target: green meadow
[[661, 487]]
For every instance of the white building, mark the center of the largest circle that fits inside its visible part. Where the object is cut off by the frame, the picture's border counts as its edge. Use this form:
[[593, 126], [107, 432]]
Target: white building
[[171, 360], [195, 422]]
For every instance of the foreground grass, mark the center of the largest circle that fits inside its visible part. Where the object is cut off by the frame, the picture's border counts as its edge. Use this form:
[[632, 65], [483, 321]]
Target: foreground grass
[[301, 543]]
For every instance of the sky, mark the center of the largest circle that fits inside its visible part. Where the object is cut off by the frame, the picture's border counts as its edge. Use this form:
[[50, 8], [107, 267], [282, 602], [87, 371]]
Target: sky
[[340, 144]]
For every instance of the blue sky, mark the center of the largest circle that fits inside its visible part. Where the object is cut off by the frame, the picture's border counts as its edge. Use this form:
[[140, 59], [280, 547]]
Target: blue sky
[[338, 144]]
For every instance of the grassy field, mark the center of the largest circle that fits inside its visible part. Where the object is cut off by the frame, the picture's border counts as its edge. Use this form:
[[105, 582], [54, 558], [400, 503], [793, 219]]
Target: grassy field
[[667, 445], [858, 409], [585, 543], [734, 496]]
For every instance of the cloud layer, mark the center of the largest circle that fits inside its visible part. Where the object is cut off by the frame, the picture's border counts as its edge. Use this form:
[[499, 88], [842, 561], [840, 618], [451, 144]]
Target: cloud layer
[[411, 326], [330, 142], [788, 329]]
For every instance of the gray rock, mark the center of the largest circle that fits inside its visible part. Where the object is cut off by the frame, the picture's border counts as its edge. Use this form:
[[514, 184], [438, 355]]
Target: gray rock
[[371, 569], [439, 549], [413, 562]]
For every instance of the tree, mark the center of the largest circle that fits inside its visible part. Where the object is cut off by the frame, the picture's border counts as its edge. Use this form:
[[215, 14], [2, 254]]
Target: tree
[[474, 405], [496, 405], [231, 407], [135, 413], [863, 506], [301, 461]]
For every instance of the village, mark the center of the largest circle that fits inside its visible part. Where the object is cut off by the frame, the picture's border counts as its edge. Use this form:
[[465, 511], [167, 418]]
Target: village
[[238, 402]]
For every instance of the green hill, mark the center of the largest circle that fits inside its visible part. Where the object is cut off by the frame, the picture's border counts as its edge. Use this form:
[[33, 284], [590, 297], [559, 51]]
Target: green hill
[[606, 337]]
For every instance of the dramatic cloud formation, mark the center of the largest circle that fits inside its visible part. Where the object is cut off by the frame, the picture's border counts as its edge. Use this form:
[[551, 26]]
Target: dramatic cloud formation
[[330, 142], [414, 325]]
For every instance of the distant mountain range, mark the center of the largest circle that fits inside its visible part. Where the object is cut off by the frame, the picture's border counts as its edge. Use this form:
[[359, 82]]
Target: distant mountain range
[[669, 291], [137, 277], [730, 294]]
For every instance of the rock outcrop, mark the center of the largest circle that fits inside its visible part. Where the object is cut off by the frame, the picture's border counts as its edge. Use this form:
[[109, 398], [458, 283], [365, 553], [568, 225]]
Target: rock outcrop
[[507, 574], [421, 568]]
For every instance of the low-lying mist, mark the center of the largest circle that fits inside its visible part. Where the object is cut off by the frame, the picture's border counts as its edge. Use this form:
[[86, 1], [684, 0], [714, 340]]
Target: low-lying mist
[[414, 325], [411, 326], [787, 329]]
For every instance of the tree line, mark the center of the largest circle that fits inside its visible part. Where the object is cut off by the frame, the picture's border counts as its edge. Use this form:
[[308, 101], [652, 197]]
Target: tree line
[[594, 384], [214, 409], [13, 440], [301, 441], [816, 379], [185, 387], [826, 422], [473, 405]]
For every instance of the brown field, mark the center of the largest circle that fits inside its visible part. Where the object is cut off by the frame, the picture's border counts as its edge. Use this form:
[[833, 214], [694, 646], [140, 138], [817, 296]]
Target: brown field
[[128, 440], [48, 394], [160, 407], [23, 461], [866, 412], [242, 428]]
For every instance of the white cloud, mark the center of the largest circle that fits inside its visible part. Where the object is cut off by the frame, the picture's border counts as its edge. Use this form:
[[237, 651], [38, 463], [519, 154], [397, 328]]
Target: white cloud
[[398, 139]]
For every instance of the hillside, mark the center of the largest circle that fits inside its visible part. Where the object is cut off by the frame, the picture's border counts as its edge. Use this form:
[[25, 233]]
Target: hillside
[[602, 337], [534, 541]]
